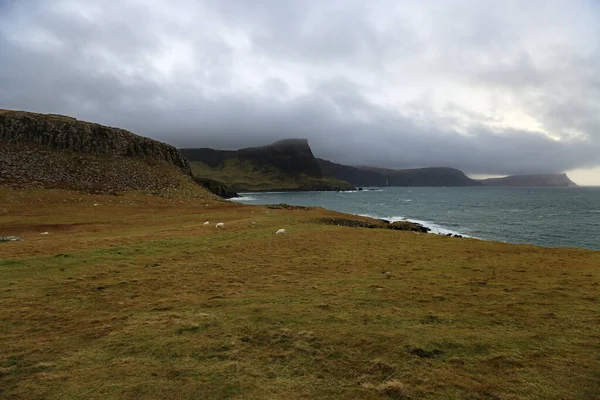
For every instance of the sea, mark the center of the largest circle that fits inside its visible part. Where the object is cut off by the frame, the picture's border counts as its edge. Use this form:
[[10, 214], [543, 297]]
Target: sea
[[549, 217]]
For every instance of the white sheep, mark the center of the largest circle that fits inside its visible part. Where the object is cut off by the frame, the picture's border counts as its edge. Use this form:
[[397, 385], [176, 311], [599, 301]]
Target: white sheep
[[280, 232], [220, 225], [206, 223], [44, 234]]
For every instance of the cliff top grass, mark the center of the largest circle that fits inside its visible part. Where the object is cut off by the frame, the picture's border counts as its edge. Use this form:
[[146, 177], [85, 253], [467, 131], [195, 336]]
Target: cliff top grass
[[136, 298]]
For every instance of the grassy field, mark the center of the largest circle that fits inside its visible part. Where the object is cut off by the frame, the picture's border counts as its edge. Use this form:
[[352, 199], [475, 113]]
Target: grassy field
[[136, 299], [243, 175]]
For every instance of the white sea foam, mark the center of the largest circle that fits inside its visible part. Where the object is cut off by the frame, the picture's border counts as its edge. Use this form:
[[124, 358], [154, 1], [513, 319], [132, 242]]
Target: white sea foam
[[243, 198], [369, 216], [435, 228]]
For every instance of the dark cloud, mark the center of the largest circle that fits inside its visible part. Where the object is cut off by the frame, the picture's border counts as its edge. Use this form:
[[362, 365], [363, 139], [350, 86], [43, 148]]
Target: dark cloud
[[486, 87]]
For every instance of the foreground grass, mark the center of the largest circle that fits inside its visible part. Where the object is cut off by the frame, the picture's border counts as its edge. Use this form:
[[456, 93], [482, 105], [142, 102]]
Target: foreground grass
[[136, 299]]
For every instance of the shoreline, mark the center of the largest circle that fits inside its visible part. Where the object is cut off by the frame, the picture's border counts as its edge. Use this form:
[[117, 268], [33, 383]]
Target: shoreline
[[434, 228], [247, 198]]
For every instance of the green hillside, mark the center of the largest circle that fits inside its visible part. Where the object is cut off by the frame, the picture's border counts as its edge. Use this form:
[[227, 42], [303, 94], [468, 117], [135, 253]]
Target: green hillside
[[284, 165], [245, 175]]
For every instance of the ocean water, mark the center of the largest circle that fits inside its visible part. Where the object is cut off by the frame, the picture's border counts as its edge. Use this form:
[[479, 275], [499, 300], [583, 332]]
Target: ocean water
[[550, 217]]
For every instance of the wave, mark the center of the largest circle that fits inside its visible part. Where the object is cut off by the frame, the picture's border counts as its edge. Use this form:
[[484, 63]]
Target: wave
[[369, 216], [435, 228], [243, 198]]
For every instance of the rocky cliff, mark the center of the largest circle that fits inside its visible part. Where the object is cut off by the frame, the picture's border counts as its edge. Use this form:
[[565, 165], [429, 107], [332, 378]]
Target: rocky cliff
[[534, 180], [54, 151], [369, 176], [58, 132], [284, 165]]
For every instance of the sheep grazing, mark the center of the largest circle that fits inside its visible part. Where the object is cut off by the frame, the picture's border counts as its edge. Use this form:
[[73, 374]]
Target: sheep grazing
[[280, 232], [96, 204], [44, 234], [220, 225], [206, 223]]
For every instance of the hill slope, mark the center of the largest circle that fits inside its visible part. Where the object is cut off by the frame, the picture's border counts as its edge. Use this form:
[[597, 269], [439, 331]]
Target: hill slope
[[369, 176], [53, 151], [284, 165], [354, 175], [555, 180]]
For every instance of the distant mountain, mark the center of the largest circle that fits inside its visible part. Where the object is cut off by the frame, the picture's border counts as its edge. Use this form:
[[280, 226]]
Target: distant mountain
[[60, 152], [290, 165], [287, 165], [555, 180], [433, 176], [370, 176]]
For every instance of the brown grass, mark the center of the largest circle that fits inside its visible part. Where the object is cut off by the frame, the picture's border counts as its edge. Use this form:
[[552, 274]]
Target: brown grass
[[137, 299]]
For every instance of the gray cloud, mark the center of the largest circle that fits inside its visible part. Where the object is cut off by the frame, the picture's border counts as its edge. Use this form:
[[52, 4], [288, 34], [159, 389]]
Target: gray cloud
[[488, 87]]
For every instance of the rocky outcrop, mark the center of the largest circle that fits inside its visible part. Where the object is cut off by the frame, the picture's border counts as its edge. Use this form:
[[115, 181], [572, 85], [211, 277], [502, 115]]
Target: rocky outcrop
[[216, 187], [376, 224], [4, 239], [408, 226], [57, 132]]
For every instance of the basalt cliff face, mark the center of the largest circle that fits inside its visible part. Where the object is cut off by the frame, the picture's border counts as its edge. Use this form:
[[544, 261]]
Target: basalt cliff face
[[57, 132], [286, 165], [54, 151], [534, 180]]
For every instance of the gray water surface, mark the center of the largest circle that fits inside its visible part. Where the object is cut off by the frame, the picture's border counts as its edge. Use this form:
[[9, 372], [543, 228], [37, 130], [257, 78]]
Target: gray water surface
[[550, 217]]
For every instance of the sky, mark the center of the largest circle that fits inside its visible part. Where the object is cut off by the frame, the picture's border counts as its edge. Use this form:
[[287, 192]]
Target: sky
[[489, 87]]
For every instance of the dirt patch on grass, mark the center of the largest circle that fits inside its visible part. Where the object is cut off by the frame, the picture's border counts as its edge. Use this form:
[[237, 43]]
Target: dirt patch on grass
[[34, 228]]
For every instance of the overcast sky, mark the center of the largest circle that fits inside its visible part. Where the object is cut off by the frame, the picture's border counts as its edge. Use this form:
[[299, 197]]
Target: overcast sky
[[490, 87]]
